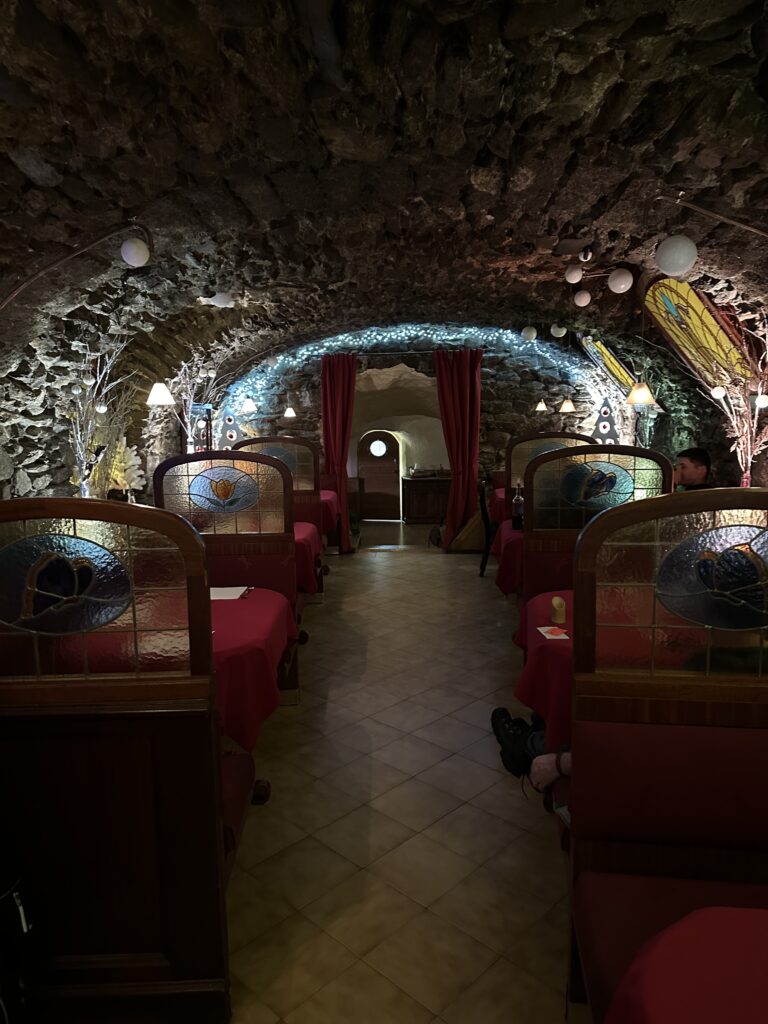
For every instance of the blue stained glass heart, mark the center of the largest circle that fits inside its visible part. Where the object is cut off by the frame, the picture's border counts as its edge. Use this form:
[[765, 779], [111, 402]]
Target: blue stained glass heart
[[55, 583]]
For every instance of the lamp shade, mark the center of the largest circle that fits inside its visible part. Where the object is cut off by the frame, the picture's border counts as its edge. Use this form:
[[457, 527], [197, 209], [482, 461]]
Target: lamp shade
[[620, 280], [160, 395], [676, 255], [541, 407], [248, 406], [567, 406], [135, 252], [640, 395], [290, 412]]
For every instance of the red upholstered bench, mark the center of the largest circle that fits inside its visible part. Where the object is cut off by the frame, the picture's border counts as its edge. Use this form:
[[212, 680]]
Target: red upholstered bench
[[308, 548], [507, 549], [615, 915], [660, 827], [329, 501]]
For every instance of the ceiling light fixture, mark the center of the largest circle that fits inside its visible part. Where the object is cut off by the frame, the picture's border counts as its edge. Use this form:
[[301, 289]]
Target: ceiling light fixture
[[582, 298], [573, 274], [620, 281], [676, 255], [557, 331], [529, 333]]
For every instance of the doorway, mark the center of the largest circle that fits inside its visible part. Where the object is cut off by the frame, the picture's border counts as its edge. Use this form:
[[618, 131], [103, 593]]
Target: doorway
[[378, 466]]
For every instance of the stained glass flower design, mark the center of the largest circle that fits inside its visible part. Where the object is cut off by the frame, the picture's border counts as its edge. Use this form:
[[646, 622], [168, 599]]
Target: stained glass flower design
[[597, 485], [223, 489]]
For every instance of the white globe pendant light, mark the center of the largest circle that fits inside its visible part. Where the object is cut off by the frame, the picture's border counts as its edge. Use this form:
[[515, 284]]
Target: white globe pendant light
[[574, 274], [718, 392], [761, 402], [676, 255], [135, 252], [557, 331], [620, 281], [582, 298], [528, 333]]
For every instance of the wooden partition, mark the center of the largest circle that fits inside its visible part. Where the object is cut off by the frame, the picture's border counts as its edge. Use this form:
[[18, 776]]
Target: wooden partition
[[565, 489], [302, 457], [109, 761], [242, 504]]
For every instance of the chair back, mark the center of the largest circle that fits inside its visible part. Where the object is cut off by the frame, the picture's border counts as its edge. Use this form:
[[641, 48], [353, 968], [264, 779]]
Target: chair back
[[670, 749], [565, 489], [302, 457], [242, 504], [109, 758]]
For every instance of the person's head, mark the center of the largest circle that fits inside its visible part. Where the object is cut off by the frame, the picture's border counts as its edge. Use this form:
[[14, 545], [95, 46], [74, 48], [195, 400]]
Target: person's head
[[692, 466]]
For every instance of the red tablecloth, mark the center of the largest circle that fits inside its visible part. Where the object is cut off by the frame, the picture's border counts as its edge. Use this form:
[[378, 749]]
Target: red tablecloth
[[709, 968], [308, 548], [249, 637], [330, 503], [497, 508], [507, 548], [546, 682]]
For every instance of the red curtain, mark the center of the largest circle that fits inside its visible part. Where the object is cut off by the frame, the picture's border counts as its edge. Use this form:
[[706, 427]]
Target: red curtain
[[337, 390], [458, 390]]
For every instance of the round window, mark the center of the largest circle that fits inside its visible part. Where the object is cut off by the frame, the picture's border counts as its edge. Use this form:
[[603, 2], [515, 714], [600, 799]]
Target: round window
[[378, 448]]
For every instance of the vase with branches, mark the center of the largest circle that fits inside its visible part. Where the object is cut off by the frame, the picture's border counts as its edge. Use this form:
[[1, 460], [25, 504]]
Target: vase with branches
[[98, 410], [199, 381]]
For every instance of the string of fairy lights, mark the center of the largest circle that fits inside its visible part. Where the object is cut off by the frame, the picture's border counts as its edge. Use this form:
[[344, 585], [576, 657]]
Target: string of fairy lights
[[247, 396]]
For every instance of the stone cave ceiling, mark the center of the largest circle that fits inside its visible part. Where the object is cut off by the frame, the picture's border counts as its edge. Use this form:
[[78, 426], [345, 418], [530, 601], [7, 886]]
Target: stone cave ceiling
[[339, 164]]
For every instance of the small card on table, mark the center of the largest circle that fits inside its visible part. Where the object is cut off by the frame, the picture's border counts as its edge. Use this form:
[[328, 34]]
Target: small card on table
[[553, 632], [227, 593]]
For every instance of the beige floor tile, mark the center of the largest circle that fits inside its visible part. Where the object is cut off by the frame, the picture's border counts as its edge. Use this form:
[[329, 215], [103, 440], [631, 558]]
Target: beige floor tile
[[303, 872], [367, 735], [432, 961], [265, 833], [322, 756], [543, 953], [360, 995], [507, 801], [364, 835], [286, 966], [314, 806], [492, 912], [460, 776], [410, 754], [443, 698], [251, 910], [485, 751], [407, 716], [366, 778], [450, 733], [473, 833], [506, 995], [281, 770], [478, 713], [538, 859], [369, 700], [422, 869], [362, 911], [248, 1008], [329, 717], [415, 804]]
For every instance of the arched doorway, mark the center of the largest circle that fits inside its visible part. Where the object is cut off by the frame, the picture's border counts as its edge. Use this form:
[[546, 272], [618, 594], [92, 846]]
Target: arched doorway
[[378, 466]]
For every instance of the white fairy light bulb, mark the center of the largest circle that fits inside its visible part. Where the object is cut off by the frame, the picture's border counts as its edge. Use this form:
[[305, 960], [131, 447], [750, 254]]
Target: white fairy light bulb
[[718, 392], [574, 274], [582, 298], [102, 408], [77, 390], [135, 252], [620, 281], [211, 374], [761, 402], [676, 255], [528, 333], [89, 380], [202, 424]]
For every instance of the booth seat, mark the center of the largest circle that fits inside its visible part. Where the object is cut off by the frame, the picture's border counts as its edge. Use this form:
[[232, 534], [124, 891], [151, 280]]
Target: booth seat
[[666, 820], [507, 549], [329, 501], [309, 546]]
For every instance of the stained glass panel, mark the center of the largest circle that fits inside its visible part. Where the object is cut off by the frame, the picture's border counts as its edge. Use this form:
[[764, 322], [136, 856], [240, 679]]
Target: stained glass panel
[[523, 452], [223, 489], [299, 459]]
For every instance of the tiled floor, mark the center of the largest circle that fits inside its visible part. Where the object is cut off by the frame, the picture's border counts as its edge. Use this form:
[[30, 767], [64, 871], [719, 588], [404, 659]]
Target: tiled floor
[[398, 875]]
